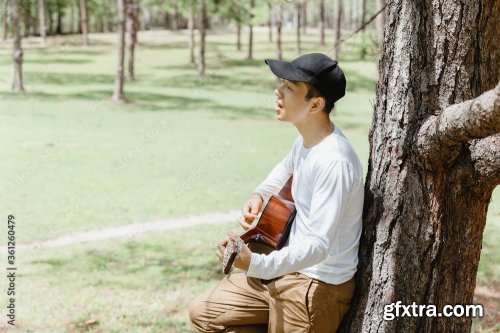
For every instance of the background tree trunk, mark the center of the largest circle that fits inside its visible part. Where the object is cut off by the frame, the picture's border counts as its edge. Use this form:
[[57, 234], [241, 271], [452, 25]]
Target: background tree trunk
[[363, 39], [5, 27], [250, 32], [338, 27], [133, 26], [17, 55], [380, 20], [270, 22], [203, 21], [60, 13], [322, 21], [303, 5], [84, 22], [41, 14], [298, 10], [426, 200], [279, 23], [120, 75], [192, 59], [25, 7]]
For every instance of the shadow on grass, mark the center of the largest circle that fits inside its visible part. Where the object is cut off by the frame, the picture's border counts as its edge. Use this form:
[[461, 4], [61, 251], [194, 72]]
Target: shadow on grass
[[49, 77]]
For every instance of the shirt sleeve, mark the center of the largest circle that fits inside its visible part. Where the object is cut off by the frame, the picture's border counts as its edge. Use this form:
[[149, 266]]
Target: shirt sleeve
[[332, 185], [278, 176]]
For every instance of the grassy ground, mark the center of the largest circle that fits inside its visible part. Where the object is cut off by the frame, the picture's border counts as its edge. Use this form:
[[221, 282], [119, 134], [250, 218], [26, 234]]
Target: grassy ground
[[71, 160]]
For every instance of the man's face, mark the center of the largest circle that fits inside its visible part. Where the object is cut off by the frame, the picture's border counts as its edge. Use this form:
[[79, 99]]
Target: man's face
[[291, 105]]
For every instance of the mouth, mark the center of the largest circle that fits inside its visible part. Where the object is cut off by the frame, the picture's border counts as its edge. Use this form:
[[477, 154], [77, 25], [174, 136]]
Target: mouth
[[279, 106]]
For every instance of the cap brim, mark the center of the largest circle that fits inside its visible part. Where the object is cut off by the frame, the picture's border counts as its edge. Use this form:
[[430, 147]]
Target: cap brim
[[284, 70]]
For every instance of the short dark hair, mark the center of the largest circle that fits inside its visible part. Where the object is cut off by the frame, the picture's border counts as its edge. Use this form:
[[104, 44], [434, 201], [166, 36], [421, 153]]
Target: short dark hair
[[312, 91]]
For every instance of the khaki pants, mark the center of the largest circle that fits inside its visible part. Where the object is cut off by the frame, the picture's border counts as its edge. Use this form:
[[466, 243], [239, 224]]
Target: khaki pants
[[291, 304]]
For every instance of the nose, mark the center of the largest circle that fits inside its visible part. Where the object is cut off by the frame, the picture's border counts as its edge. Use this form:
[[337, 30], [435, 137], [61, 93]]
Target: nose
[[278, 92]]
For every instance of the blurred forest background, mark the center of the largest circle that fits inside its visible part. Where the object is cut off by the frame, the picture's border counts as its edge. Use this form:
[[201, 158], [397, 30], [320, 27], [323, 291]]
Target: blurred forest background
[[118, 113]]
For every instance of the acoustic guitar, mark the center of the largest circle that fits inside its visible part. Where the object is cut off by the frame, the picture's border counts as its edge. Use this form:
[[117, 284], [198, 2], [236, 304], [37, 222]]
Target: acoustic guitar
[[271, 231]]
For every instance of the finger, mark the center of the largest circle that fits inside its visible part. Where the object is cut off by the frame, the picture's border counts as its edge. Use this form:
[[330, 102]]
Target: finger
[[218, 255], [254, 210], [246, 208], [250, 216], [221, 249], [245, 225], [223, 242]]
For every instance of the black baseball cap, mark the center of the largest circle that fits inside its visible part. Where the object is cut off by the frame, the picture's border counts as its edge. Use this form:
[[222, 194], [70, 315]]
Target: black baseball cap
[[316, 69]]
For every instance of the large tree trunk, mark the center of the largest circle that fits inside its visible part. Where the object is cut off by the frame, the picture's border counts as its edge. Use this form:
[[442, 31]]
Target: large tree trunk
[[279, 23], [203, 22], [5, 28], [322, 21], [434, 162], [17, 55], [120, 75], [192, 59], [41, 14], [298, 11], [133, 26], [338, 27], [250, 32], [84, 22]]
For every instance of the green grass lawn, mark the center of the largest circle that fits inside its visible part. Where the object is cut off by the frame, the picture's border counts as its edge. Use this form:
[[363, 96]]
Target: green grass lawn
[[72, 160]]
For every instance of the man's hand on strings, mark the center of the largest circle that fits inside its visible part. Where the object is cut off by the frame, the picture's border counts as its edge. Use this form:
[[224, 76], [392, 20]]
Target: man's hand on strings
[[242, 261]]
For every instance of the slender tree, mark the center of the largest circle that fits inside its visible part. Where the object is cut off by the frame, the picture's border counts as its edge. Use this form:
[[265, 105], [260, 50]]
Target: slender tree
[[338, 27], [41, 20], [250, 30], [322, 21], [17, 55], [298, 10], [25, 6], [133, 26], [5, 28], [238, 27], [434, 162], [270, 21], [363, 21], [279, 23], [303, 5], [84, 22], [380, 19], [202, 24], [191, 18], [118, 95]]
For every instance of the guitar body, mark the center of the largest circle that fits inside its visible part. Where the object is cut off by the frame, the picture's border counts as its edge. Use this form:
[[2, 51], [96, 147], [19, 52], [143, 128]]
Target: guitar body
[[271, 231], [274, 224]]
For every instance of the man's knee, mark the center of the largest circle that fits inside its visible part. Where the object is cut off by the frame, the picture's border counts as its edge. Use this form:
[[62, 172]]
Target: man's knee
[[198, 315]]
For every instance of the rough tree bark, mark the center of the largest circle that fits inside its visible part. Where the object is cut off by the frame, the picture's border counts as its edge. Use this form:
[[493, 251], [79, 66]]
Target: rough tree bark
[[203, 22], [338, 27], [84, 22], [120, 73], [322, 21], [133, 26], [434, 162], [250, 32], [17, 55]]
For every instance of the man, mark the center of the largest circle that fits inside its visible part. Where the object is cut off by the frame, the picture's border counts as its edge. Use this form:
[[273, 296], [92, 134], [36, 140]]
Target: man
[[312, 276]]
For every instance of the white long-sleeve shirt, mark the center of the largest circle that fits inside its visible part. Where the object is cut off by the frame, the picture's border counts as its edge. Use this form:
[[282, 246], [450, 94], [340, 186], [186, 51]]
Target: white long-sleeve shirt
[[328, 191]]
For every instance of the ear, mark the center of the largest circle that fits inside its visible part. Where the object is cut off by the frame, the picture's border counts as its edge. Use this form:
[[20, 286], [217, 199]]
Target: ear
[[318, 104]]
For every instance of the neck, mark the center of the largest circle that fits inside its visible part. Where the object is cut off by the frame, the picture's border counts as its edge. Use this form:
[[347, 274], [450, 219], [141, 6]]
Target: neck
[[314, 130]]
